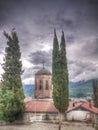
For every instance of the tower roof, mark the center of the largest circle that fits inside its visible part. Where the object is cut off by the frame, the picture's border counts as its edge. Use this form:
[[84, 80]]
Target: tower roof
[[43, 71]]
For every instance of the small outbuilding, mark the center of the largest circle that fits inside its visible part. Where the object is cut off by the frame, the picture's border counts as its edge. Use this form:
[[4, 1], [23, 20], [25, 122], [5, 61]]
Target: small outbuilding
[[82, 112]]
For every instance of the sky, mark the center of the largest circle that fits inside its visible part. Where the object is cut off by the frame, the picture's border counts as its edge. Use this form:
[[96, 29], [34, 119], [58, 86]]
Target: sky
[[35, 20]]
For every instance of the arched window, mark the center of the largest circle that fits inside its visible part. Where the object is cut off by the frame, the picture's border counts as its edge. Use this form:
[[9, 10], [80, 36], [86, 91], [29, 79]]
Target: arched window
[[40, 85], [47, 85]]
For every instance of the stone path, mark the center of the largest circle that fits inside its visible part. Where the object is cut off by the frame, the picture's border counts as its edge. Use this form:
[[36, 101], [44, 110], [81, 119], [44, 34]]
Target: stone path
[[48, 126]]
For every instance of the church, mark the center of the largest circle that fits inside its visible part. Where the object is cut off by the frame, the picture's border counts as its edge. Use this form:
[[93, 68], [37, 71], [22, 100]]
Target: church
[[41, 107], [43, 84]]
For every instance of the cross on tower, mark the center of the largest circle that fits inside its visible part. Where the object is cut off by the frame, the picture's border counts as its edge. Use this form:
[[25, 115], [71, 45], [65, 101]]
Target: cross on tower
[[43, 62]]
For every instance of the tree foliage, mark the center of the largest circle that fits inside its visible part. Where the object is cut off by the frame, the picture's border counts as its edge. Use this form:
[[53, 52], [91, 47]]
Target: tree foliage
[[60, 75], [64, 74], [95, 93], [55, 55], [11, 93]]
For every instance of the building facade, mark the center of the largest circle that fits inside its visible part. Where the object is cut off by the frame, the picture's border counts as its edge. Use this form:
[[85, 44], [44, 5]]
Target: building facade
[[43, 84]]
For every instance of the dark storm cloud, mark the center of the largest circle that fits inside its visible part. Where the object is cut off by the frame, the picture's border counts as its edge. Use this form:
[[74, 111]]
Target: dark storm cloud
[[28, 72], [76, 67], [60, 14], [74, 71], [94, 5], [86, 66], [38, 57], [83, 63], [3, 15], [70, 38], [82, 70], [90, 49], [67, 22], [35, 21]]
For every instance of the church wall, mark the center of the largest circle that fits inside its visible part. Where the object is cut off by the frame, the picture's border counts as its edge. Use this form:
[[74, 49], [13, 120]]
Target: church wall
[[31, 116], [43, 92]]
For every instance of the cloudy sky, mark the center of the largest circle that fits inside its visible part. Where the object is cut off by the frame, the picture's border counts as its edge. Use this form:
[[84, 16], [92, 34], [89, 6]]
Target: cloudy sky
[[35, 20]]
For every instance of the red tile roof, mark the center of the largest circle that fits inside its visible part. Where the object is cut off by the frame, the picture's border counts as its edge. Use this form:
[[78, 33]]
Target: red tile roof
[[87, 106], [41, 106], [90, 107], [48, 106]]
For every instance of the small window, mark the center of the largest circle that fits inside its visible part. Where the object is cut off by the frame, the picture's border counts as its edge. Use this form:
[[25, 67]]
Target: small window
[[40, 85], [47, 85], [35, 85]]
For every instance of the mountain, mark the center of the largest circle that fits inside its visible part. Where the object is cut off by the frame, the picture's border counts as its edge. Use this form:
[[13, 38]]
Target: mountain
[[81, 89], [28, 89], [76, 89]]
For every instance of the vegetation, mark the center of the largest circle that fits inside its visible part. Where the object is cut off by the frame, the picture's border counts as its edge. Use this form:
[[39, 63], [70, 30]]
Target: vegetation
[[11, 91], [95, 93], [55, 56], [81, 89], [60, 76], [64, 76], [95, 99]]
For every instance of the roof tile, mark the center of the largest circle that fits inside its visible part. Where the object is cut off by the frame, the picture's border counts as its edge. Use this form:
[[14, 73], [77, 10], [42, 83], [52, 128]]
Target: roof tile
[[41, 106]]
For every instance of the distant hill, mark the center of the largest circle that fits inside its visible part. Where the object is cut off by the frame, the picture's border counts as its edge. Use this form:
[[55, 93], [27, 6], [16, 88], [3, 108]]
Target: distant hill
[[81, 88], [28, 89], [76, 89]]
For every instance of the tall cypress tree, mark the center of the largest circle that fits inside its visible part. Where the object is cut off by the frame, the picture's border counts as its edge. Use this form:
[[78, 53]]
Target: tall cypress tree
[[60, 77], [12, 97], [55, 69], [64, 76], [55, 54], [95, 93], [95, 99]]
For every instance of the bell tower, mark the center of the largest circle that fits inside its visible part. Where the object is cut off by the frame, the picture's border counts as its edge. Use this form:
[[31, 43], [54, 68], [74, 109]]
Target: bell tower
[[43, 84]]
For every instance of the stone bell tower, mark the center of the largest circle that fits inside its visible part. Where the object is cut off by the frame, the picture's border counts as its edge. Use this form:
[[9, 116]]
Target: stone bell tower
[[43, 84]]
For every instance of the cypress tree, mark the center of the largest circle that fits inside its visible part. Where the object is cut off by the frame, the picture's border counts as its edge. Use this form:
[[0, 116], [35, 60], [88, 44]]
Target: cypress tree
[[95, 93], [64, 76], [55, 54], [55, 69], [95, 99], [60, 77], [11, 93]]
